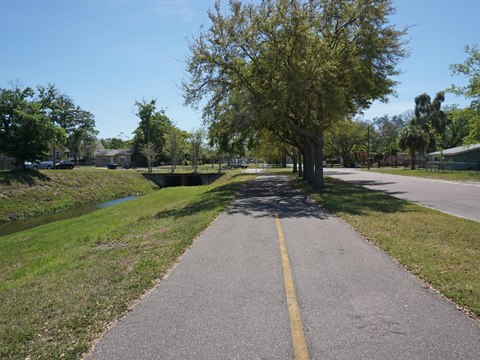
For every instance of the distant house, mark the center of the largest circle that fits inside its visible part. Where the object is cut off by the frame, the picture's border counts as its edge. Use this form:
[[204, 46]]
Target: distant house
[[87, 154], [58, 152], [99, 146], [106, 157], [467, 156]]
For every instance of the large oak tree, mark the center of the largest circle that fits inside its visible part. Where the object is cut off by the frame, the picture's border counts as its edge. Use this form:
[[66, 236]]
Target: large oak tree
[[298, 65]]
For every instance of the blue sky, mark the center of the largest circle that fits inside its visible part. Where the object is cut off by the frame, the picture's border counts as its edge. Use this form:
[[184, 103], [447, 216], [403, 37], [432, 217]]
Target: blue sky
[[106, 54]]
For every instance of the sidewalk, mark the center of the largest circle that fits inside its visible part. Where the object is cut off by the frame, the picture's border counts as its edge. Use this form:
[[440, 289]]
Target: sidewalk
[[226, 297]]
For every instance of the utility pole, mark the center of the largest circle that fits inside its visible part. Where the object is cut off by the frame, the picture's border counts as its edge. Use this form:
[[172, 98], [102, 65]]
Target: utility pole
[[368, 147]]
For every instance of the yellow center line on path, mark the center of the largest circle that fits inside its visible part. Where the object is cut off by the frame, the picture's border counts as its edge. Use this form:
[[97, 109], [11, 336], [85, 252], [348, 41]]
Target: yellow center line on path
[[296, 327]]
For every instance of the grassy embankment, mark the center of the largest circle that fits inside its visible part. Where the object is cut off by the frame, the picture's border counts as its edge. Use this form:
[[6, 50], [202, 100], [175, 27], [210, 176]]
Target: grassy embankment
[[447, 175], [441, 249], [26, 194], [61, 283]]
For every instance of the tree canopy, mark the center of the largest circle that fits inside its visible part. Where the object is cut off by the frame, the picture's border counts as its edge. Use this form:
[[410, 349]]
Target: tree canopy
[[33, 120], [430, 117], [152, 128], [471, 69], [293, 67]]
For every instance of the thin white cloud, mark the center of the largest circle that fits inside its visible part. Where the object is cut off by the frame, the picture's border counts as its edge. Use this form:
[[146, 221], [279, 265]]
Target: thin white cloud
[[119, 2], [179, 9]]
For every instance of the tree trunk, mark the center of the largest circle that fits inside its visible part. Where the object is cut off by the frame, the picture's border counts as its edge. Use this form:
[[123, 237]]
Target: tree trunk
[[75, 157], [300, 164], [412, 164], [54, 160], [19, 164], [294, 157], [308, 162], [318, 153]]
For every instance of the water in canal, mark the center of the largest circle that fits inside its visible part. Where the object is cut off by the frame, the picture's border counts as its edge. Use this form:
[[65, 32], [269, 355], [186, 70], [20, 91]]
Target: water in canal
[[14, 227]]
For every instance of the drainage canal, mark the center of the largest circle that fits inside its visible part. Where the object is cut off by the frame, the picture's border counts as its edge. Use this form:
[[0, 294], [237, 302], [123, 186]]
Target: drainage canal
[[173, 179], [14, 227]]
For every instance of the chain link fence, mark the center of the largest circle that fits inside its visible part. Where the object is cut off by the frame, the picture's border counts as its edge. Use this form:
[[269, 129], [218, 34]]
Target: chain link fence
[[442, 166]]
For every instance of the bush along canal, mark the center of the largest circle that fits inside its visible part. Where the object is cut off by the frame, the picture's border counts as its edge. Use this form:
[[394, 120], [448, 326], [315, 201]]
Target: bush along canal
[[13, 227]]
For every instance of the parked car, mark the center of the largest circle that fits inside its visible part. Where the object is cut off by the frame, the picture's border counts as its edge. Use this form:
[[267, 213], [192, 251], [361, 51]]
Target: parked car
[[333, 162], [30, 165], [45, 164], [39, 165], [65, 164]]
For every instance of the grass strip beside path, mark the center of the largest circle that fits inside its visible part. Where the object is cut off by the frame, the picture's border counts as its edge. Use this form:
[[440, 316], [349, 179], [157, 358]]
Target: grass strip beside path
[[422, 173], [441, 249], [62, 283]]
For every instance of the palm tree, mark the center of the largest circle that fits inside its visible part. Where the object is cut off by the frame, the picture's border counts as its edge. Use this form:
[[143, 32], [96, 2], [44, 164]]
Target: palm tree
[[430, 117], [392, 151], [415, 140]]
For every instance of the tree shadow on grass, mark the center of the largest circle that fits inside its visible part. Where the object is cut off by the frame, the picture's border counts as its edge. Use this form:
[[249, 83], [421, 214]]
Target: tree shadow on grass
[[28, 177], [344, 197]]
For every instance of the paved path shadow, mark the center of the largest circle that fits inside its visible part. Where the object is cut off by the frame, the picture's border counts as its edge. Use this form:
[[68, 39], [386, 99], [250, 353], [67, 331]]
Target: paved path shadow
[[270, 195]]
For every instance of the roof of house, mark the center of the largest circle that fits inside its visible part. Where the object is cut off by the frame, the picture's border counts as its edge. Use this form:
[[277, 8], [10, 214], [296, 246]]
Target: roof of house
[[98, 145], [113, 152], [457, 150]]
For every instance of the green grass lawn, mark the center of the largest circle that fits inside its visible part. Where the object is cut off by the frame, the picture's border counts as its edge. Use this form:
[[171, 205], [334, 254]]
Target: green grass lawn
[[62, 283], [441, 249], [447, 175]]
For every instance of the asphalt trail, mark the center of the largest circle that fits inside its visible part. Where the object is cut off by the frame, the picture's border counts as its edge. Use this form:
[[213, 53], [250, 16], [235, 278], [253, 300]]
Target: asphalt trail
[[226, 298]]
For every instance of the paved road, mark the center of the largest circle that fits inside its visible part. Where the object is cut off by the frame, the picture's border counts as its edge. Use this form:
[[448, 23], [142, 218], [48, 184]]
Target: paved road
[[226, 297], [456, 198]]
